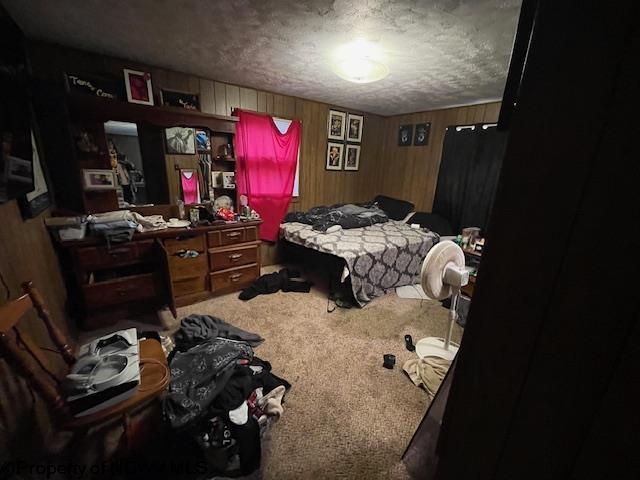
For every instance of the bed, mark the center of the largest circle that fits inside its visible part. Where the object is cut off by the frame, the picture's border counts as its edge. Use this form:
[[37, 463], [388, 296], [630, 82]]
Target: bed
[[378, 257]]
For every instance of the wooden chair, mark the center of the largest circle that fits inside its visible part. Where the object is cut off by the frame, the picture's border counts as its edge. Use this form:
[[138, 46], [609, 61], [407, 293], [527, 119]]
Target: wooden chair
[[22, 353]]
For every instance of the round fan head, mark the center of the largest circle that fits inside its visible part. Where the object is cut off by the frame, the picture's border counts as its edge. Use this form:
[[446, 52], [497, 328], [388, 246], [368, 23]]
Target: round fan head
[[441, 256]]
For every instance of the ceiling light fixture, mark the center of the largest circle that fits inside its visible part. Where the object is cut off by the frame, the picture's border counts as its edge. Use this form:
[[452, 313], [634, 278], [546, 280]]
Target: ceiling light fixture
[[360, 62]]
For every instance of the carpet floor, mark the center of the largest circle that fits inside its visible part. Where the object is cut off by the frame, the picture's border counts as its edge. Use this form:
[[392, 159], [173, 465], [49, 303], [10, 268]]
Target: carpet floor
[[345, 416]]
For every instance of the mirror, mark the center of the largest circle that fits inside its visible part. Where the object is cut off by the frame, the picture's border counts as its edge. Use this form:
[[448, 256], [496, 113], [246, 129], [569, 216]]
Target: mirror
[[158, 165], [126, 159]]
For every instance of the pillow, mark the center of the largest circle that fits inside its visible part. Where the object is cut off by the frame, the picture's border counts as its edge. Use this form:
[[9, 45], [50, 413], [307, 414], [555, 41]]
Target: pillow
[[433, 222], [394, 208]]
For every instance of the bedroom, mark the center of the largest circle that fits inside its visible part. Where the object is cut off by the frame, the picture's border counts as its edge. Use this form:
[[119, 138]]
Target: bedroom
[[212, 151]]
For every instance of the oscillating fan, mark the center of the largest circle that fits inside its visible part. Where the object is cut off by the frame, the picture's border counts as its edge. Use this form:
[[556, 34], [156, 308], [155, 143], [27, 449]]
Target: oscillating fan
[[443, 274]]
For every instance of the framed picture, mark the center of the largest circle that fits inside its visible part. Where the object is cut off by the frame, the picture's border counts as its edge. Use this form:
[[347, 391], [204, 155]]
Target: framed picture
[[352, 157], [354, 128], [203, 141], [98, 86], [189, 101], [99, 179], [216, 179], [422, 134], [335, 152], [138, 85], [19, 170], [180, 140], [405, 135], [36, 202], [336, 125], [228, 180]]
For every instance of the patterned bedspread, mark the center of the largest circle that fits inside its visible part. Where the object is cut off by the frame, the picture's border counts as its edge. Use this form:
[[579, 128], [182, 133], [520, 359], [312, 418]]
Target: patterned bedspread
[[379, 257]]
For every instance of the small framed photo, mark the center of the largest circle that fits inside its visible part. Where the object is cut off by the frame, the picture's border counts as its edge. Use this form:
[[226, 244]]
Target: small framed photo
[[228, 180], [422, 134], [352, 158], [203, 141], [98, 179], [172, 98], [354, 128], [336, 125], [216, 179], [138, 85], [19, 170], [405, 135], [180, 140], [335, 152]]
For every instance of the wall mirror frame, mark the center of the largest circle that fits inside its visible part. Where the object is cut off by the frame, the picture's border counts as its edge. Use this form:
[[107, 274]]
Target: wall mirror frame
[[160, 167]]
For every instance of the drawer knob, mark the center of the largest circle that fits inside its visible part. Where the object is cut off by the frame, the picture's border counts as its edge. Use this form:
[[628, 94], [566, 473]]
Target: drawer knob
[[233, 234], [235, 277], [235, 257]]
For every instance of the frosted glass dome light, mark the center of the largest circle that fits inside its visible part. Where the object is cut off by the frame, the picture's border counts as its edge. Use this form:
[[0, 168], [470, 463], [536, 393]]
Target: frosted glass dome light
[[359, 62]]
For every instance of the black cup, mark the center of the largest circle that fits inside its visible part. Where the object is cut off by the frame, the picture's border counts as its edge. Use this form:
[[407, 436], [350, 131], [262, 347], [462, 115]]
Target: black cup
[[389, 361]]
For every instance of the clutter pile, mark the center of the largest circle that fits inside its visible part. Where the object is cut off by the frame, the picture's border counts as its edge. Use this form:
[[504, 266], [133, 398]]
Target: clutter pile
[[221, 394], [117, 226], [287, 280], [149, 223], [427, 373]]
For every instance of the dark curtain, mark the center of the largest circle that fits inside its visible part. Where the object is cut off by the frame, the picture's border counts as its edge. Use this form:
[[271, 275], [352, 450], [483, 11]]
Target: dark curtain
[[458, 151], [468, 176]]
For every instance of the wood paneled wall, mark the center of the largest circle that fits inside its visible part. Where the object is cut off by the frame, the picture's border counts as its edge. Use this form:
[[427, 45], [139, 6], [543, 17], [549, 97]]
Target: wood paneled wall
[[411, 173], [317, 185], [27, 254]]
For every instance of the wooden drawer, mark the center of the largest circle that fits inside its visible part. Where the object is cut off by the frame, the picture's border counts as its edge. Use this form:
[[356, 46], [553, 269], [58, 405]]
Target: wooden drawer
[[120, 290], [187, 286], [188, 267], [232, 236], [174, 245], [221, 259], [124, 254], [233, 279]]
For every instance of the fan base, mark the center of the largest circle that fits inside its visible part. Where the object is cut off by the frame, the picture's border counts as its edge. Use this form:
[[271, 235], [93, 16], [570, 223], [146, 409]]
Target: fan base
[[434, 347]]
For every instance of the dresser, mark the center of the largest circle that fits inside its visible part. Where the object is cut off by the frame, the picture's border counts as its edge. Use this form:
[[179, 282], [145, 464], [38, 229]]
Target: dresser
[[168, 268], [227, 260]]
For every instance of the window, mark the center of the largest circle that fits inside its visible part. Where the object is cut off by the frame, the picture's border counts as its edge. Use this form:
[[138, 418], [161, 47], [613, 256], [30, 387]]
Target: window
[[282, 124]]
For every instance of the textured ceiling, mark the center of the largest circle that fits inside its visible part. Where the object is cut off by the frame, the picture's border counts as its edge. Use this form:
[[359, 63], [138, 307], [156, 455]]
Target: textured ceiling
[[440, 53]]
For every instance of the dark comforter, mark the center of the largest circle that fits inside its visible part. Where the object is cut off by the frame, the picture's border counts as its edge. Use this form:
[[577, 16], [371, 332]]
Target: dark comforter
[[346, 215]]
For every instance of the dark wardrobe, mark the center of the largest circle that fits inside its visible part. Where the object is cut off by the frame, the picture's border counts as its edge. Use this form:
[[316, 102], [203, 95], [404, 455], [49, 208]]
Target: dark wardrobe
[[468, 176]]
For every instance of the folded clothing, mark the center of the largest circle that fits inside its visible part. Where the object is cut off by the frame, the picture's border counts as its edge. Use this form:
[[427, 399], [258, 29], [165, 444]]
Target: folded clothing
[[150, 222], [109, 217], [115, 225]]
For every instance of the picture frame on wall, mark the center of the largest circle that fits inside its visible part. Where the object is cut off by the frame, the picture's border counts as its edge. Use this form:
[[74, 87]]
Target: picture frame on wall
[[216, 179], [99, 179], [37, 201], [336, 125], [138, 86], [352, 158], [186, 100], [97, 85], [405, 135], [335, 153], [354, 128], [228, 180], [180, 140], [422, 134]]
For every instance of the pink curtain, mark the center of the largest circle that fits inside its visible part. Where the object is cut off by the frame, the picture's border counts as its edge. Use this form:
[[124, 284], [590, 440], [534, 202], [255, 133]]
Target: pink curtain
[[266, 167]]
